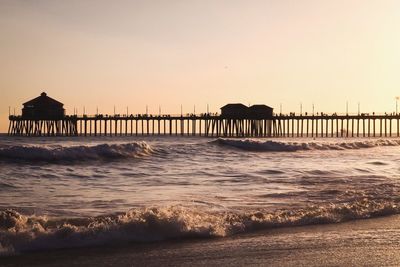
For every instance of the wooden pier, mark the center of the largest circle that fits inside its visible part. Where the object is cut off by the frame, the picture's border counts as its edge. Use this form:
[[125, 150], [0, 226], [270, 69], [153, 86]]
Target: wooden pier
[[211, 125], [363, 125]]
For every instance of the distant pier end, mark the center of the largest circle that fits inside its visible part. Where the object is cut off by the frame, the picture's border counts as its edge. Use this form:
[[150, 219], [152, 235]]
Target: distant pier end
[[43, 108], [44, 116]]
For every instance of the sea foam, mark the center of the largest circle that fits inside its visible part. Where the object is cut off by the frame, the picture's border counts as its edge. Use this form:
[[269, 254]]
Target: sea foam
[[289, 146], [19, 233], [75, 153]]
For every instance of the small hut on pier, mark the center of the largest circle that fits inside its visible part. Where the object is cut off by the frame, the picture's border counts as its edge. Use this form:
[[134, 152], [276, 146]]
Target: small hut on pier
[[240, 111], [260, 112], [43, 108], [234, 111]]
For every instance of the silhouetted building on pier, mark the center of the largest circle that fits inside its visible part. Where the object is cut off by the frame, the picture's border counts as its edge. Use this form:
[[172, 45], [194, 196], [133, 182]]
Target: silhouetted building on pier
[[260, 112], [240, 111], [234, 111], [43, 108]]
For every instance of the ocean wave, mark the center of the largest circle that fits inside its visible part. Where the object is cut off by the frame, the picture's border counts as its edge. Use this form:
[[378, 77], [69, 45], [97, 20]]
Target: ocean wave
[[288, 146], [75, 153], [20, 233]]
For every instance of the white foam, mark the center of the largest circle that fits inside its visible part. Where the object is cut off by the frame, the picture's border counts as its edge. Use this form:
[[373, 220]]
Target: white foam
[[288, 146], [25, 233], [73, 153]]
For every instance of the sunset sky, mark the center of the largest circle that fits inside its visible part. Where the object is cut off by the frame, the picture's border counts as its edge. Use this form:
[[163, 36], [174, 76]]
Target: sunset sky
[[168, 53]]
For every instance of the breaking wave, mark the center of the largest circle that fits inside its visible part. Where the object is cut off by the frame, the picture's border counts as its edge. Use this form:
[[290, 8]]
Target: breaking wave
[[257, 145], [19, 233], [75, 153]]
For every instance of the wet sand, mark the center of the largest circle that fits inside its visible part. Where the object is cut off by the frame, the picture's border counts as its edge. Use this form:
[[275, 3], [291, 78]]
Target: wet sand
[[372, 242]]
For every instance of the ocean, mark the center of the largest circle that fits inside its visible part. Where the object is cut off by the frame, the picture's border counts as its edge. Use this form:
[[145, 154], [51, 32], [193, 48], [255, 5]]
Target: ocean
[[63, 192]]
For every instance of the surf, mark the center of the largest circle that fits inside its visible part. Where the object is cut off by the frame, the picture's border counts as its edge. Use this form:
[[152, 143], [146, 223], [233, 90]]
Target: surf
[[57, 153], [293, 146], [19, 233]]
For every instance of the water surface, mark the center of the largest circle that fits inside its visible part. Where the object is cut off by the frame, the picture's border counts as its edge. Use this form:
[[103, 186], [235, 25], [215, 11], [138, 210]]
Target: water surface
[[61, 192]]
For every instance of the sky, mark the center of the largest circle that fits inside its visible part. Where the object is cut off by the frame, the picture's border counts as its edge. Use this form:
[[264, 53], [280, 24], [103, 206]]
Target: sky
[[164, 54]]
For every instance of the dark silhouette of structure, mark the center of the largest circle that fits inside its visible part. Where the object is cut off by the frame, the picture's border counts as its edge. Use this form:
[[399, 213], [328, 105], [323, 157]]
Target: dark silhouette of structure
[[43, 108], [240, 111], [44, 116], [41, 116], [234, 111], [260, 112], [241, 120]]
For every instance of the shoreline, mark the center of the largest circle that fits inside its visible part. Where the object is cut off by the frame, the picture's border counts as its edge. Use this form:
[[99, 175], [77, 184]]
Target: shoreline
[[361, 242]]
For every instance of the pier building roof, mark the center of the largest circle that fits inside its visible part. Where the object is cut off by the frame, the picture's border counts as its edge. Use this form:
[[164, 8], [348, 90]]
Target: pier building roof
[[43, 108], [260, 112], [236, 110], [43, 100]]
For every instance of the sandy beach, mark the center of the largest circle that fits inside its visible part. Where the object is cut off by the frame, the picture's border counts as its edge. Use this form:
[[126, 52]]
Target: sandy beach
[[371, 242]]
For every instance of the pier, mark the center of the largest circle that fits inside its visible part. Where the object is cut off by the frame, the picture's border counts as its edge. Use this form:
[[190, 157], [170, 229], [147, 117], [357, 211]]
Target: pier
[[44, 116], [211, 125]]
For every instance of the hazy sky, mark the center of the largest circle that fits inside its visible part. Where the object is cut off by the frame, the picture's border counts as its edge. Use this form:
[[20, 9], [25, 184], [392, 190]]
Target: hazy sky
[[168, 53]]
